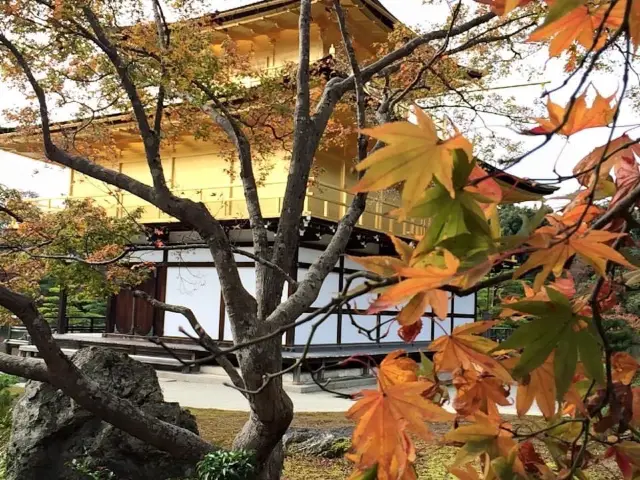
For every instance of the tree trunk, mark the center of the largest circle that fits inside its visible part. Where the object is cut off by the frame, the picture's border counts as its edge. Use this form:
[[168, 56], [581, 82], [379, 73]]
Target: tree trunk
[[271, 409]]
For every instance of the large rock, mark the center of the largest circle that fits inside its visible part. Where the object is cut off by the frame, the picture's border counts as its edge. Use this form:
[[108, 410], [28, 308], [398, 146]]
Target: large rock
[[50, 430], [327, 443]]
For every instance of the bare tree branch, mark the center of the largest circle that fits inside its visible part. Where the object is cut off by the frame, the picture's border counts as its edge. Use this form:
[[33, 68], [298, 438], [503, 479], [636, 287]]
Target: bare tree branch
[[205, 340], [239, 302], [150, 138], [336, 88], [31, 368], [219, 114], [4, 209], [119, 412], [303, 101], [357, 76]]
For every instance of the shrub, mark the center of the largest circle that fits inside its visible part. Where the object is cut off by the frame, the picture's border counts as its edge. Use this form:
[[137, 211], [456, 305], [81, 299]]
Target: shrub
[[620, 334], [227, 465], [632, 303]]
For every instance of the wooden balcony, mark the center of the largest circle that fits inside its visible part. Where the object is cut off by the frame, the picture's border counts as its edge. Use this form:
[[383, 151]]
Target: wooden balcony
[[227, 203]]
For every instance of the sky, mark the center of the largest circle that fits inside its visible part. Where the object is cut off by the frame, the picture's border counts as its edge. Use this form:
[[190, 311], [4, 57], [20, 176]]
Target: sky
[[50, 181]]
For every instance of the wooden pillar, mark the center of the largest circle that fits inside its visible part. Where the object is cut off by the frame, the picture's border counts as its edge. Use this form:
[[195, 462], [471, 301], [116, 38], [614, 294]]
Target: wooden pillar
[[63, 321], [132, 330], [110, 321], [340, 287]]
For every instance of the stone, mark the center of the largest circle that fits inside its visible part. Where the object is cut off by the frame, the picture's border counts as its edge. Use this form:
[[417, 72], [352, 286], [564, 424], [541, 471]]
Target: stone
[[50, 430], [320, 442]]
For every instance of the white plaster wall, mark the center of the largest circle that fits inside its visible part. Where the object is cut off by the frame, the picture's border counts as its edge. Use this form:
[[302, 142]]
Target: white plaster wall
[[190, 255], [146, 256], [203, 255], [309, 255], [248, 278], [465, 305], [462, 321], [441, 328], [327, 333], [350, 333], [197, 288]]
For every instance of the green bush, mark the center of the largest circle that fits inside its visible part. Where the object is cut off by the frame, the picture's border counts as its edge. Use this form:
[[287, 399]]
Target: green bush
[[620, 334], [632, 303], [225, 465]]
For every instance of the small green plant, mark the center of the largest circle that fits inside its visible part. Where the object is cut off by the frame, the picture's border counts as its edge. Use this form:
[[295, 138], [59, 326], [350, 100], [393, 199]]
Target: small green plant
[[87, 471], [227, 465], [339, 448]]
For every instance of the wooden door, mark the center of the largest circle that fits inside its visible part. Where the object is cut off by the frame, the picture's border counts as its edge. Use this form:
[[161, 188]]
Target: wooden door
[[135, 316]]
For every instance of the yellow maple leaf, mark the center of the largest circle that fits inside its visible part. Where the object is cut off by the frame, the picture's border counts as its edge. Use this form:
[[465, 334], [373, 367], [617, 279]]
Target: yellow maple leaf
[[484, 436], [580, 117], [414, 155]]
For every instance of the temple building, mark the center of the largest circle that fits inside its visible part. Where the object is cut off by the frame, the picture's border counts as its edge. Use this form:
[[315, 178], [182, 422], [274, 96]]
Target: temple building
[[195, 169]]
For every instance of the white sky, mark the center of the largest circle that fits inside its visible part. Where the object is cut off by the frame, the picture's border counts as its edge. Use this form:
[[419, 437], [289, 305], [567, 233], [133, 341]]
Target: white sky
[[47, 181]]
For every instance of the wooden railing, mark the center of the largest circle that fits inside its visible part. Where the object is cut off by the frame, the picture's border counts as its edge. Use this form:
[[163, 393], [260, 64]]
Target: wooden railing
[[225, 203]]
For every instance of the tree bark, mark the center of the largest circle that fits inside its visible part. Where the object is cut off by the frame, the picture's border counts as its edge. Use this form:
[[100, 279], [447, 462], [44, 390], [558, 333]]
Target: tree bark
[[271, 408]]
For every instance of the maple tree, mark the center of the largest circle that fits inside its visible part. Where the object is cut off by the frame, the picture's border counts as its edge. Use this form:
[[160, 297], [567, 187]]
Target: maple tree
[[386, 109]]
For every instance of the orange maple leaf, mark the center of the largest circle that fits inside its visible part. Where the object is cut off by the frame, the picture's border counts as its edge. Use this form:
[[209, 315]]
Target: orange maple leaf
[[580, 117], [383, 420], [614, 151], [615, 18], [388, 266], [627, 178], [397, 368], [418, 289], [479, 392], [462, 349], [579, 25], [624, 367], [555, 245], [486, 187], [422, 282], [414, 155], [539, 385]]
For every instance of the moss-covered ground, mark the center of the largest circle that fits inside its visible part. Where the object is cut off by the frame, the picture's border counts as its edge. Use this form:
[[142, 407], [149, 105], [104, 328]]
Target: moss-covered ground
[[220, 427]]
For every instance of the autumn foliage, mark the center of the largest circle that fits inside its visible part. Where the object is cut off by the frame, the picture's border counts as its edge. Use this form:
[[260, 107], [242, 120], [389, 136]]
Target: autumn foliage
[[557, 357]]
